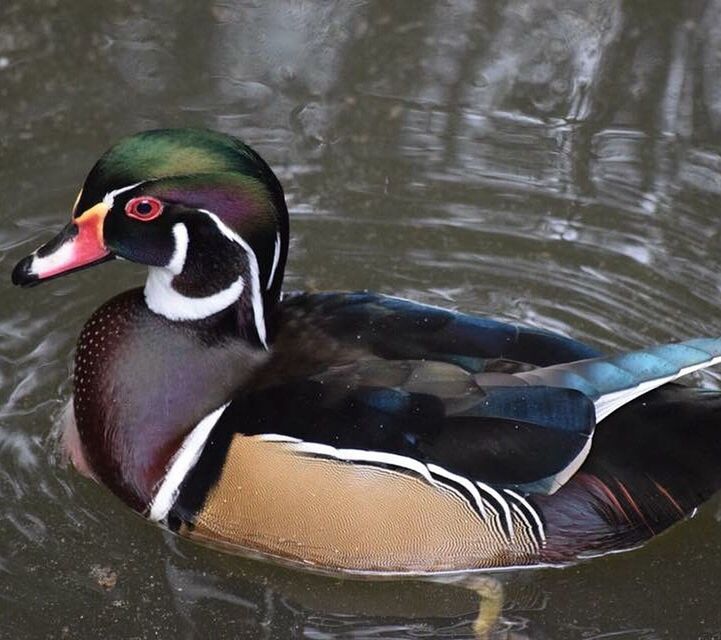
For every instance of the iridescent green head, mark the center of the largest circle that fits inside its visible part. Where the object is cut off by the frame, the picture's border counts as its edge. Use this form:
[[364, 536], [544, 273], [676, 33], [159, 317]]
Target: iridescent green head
[[200, 208]]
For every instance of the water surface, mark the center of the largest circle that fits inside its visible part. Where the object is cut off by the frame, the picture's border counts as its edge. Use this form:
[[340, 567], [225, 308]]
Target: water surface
[[555, 162]]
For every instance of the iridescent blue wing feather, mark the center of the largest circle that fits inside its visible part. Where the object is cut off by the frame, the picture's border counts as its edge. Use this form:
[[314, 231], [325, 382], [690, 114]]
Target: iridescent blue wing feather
[[614, 381], [394, 328]]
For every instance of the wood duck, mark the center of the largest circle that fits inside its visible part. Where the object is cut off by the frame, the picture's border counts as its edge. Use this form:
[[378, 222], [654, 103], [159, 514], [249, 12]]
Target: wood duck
[[350, 432]]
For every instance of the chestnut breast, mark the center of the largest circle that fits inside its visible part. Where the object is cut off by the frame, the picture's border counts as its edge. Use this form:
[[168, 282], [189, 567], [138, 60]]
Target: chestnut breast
[[143, 382]]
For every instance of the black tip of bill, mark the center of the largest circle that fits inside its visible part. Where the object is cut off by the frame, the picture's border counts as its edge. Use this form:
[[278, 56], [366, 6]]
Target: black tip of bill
[[22, 274]]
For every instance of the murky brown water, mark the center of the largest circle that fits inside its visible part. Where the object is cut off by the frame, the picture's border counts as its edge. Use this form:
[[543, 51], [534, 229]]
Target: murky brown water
[[555, 162]]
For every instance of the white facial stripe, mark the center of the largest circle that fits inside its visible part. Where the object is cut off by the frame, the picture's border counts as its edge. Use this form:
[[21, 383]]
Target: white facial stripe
[[177, 262], [276, 257], [163, 299], [181, 464], [109, 198], [255, 296]]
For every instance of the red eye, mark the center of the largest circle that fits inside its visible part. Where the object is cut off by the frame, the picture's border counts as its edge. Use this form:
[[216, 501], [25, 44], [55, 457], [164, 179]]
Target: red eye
[[144, 208]]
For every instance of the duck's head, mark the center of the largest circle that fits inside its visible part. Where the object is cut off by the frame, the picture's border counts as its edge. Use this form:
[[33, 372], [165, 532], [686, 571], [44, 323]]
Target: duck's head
[[200, 208]]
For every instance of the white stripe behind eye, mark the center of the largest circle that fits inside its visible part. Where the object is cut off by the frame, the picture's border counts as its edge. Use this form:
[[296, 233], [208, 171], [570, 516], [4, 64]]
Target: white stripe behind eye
[[255, 295], [163, 299], [109, 198], [276, 258]]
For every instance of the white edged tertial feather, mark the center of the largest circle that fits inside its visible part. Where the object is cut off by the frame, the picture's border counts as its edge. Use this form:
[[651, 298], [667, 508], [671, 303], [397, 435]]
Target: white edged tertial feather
[[609, 402], [613, 381], [562, 477]]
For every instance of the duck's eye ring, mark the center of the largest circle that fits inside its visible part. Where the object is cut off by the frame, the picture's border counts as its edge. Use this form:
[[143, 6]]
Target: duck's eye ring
[[144, 208]]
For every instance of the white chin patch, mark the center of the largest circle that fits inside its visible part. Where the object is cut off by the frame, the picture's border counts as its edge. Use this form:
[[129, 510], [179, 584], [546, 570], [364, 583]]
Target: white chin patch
[[163, 299]]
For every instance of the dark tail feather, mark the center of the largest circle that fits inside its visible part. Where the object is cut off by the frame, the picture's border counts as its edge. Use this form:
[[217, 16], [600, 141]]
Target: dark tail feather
[[651, 464]]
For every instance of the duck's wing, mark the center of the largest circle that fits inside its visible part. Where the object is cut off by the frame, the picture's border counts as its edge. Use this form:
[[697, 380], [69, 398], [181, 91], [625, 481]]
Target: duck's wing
[[383, 374], [394, 328], [508, 434], [652, 464], [528, 431], [364, 442], [428, 421]]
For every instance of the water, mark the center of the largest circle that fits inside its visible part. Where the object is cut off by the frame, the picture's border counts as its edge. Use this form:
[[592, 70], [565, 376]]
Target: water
[[555, 162]]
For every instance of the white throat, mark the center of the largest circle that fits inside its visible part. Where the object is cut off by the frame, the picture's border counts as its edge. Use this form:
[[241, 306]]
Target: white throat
[[163, 299]]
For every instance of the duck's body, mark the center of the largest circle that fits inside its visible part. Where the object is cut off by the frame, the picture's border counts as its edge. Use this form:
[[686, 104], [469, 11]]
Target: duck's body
[[351, 432]]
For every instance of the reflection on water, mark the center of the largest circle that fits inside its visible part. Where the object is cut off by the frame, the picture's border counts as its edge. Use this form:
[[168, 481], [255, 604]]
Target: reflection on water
[[555, 162]]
